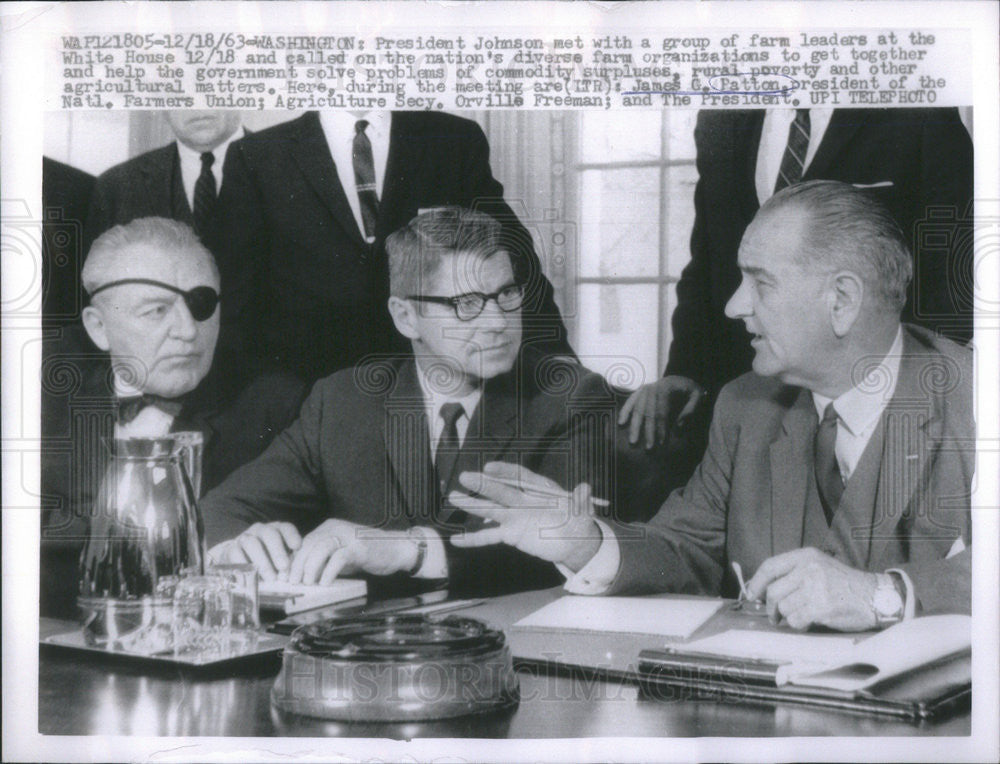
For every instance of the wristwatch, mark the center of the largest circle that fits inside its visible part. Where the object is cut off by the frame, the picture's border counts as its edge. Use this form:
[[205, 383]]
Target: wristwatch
[[887, 601], [421, 542]]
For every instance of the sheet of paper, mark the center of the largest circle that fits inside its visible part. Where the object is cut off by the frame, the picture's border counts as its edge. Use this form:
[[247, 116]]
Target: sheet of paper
[[811, 649], [662, 616]]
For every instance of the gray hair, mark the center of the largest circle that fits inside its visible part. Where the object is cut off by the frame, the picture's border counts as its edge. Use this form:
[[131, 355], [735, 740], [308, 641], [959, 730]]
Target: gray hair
[[103, 262], [416, 249], [849, 228]]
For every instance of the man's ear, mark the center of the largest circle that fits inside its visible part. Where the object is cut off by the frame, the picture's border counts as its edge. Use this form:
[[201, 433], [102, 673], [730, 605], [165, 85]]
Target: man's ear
[[93, 322], [404, 316], [847, 293]]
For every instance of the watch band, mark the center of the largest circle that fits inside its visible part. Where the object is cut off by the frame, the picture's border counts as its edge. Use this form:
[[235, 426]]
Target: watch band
[[421, 543]]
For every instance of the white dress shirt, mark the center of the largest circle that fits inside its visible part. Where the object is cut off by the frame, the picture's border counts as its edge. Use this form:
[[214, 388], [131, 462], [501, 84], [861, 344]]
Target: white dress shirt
[[338, 127], [191, 165], [774, 140], [862, 407]]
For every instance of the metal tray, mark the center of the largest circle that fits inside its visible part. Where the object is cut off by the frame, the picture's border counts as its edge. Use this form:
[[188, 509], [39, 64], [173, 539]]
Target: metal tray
[[266, 643]]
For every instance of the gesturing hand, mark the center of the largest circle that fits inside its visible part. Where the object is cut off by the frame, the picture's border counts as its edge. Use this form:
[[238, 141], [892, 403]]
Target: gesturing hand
[[652, 408], [338, 547], [537, 517], [809, 587], [268, 546]]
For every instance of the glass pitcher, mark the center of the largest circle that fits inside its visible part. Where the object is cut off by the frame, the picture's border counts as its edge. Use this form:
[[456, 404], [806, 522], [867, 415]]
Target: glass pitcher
[[145, 532]]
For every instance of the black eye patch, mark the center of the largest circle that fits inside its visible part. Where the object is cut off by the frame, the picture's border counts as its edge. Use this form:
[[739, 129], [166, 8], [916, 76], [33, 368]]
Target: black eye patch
[[201, 301]]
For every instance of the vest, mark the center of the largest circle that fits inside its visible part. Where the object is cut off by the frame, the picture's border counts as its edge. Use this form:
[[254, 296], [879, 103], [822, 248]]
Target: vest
[[848, 538]]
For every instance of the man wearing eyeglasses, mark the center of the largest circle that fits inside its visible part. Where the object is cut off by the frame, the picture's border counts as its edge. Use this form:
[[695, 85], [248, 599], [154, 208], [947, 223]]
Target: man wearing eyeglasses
[[153, 312], [356, 485]]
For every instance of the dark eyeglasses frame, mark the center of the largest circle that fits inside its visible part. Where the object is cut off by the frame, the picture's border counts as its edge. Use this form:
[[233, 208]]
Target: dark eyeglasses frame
[[453, 302], [201, 301]]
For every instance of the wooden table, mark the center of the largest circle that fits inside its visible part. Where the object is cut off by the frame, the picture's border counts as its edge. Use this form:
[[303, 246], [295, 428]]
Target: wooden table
[[83, 694]]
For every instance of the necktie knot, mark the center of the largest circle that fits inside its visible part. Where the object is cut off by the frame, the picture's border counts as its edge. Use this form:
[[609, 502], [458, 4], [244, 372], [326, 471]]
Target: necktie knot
[[360, 126], [829, 414], [207, 160], [450, 412]]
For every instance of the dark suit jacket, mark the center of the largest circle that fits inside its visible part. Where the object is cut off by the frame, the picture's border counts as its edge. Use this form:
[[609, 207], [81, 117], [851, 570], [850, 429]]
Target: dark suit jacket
[[65, 198], [305, 291], [746, 501], [360, 451], [149, 185], [926, 155], [78, 411]]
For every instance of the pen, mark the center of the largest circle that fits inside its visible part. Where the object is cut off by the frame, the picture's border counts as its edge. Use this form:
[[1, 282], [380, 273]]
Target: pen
[[739, 577], [538, 490], [443, 607]]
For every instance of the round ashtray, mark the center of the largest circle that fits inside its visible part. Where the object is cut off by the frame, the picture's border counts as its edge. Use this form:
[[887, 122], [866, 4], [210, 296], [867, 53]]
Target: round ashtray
[[395, 668]]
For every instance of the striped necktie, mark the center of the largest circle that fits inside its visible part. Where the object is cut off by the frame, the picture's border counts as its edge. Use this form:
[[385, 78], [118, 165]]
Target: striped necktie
[[364, 178], [204, 193], [793, 163]]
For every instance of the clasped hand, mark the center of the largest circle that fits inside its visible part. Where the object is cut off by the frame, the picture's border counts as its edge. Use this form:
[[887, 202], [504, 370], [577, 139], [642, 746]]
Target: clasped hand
[[537, 517], [333, 548], [808, 587]]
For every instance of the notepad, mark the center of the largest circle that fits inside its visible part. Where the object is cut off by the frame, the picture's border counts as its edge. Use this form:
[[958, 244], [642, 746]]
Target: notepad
[[294, 598], [670, 617], [841, 662]]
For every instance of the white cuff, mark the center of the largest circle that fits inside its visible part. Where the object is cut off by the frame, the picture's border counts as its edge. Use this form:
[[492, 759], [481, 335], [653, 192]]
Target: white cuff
[[596, 576], [910, 602], [435, 563]]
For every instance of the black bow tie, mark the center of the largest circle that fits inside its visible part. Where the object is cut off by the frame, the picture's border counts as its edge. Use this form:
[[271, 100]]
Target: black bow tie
[[129, 408]]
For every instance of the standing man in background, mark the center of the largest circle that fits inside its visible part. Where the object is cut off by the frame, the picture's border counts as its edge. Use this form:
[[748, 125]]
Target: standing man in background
[[181, 180], [305, 212], [918, 162]]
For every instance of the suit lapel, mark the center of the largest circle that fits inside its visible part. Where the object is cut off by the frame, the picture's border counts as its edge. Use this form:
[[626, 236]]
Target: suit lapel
[[405, 150], [493, 424], [911, 431], [312, 155], [749, 141], [843, 125], [407, 443], [166, 164], [791, 459]]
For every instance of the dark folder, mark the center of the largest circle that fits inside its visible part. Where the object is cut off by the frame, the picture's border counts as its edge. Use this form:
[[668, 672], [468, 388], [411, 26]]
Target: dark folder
[[931, 692]]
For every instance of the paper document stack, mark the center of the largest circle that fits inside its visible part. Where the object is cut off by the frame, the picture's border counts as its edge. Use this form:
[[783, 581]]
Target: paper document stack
[[294, 598]]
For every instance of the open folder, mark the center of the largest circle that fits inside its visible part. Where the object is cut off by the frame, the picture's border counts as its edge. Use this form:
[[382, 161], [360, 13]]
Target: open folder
[[914, 669]]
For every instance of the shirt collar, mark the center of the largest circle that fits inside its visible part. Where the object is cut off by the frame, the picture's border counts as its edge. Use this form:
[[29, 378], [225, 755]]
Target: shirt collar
[[188, 154], [434, 399], [339, 125], [861, 406]]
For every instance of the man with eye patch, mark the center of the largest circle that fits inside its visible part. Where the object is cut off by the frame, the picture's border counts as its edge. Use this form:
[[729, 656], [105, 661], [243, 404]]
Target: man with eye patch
[[356, 485], [154, 314]]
